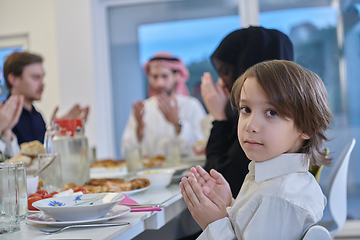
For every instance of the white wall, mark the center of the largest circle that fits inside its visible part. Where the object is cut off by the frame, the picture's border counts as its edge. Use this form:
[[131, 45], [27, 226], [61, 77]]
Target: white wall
[[36, 19], [60, 31], [75, 59]]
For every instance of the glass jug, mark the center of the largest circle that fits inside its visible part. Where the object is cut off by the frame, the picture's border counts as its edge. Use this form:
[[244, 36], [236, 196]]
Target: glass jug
[[72, 145]]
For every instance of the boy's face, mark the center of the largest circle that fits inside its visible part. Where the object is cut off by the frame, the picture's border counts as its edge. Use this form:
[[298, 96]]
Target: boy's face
[[262, 133], [30, 83]]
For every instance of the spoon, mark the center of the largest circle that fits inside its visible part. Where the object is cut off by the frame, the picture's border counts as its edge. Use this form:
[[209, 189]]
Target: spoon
[[77, 226], [43, 167]]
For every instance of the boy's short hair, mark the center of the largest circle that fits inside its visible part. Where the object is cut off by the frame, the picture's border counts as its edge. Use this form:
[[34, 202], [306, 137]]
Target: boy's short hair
[[298, 94], [16, 62]]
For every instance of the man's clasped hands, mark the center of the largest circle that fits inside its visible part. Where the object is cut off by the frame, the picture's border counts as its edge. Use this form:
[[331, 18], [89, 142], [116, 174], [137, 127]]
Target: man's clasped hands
[[206, 195]]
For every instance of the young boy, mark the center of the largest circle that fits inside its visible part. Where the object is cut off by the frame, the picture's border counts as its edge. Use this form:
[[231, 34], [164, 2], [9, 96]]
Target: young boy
[[284, 114]]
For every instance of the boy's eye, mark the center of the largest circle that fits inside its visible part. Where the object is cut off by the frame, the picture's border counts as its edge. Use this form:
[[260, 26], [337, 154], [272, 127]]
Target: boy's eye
[[244, 110], [271, 113]]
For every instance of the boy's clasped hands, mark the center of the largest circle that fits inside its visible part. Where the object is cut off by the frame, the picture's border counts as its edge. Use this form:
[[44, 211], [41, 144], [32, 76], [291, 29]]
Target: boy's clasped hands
[[206, 195]]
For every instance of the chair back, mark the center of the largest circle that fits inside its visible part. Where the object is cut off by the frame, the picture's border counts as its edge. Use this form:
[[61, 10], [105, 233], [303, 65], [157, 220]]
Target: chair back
[[318, 173], [315, 170], [337, 188], [317, 232]]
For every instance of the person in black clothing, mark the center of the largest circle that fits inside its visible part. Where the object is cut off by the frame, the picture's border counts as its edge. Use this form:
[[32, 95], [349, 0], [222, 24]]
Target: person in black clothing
[[236, 53], [24, 75]]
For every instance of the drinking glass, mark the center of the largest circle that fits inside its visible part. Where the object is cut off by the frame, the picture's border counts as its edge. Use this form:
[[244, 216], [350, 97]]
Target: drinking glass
[[51, 176], [22, 180], [172, 152], [133, 159], [9, 198]]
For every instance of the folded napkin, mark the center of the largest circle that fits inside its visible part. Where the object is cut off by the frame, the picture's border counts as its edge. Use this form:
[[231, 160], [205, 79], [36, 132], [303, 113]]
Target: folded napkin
[[128, 200]]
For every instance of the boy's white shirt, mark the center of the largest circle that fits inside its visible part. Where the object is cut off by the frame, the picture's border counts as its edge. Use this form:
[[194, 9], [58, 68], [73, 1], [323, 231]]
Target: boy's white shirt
[[279, 200], [158, 131]]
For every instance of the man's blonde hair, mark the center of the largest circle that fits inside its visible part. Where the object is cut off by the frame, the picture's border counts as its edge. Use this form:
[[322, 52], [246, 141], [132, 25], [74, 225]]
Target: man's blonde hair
[[298, 94]]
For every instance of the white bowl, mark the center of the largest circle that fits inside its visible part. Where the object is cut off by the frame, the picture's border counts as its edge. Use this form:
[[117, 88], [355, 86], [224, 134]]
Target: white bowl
[[32, 184], [157, 177], [79, 207]]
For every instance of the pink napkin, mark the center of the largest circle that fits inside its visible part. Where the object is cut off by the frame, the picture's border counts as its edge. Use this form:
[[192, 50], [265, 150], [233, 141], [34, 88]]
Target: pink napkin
[[128, 200]]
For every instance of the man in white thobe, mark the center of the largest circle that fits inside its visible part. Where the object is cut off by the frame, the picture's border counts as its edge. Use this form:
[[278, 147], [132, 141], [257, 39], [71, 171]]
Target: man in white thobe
[[169, 116]]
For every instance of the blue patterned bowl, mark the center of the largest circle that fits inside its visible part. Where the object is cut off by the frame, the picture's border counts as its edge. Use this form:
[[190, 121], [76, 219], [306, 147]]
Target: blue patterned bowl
[[79, 207]]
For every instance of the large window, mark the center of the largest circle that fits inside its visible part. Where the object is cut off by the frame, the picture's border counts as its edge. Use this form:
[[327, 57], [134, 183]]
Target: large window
[[4, 52], [313, 34], [191, 40], [190, 29], [8, 45]]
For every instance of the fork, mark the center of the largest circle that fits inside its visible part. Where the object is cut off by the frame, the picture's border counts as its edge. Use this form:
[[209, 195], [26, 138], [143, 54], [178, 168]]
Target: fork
[[50, 232]]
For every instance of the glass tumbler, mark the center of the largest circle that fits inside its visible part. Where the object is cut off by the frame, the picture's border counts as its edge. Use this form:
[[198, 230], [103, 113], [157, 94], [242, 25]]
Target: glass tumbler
[[51, 176], [22, 180], [9, 198], [133, 159], [172, 152]]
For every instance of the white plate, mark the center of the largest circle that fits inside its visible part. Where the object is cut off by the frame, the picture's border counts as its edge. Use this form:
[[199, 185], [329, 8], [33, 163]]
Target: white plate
[[107, 170], [98, 169], [131, 192], [128, 193], [41, 218], [108, 174], [80, 206], [33, 211]]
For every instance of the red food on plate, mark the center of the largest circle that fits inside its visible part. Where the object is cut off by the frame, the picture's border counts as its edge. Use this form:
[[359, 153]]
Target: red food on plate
[[35, 195], [65, 189], [80, 189], [42, 192], [31, 200], [48, 196], [53, 193]]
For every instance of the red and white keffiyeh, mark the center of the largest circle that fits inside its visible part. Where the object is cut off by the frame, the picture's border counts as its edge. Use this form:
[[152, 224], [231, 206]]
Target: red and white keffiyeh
[[168, 60]]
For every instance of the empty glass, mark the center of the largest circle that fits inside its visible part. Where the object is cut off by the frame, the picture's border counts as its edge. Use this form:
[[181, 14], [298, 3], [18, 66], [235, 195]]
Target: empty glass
[[51, 176], [21, 172], [133, 159], [9, 198], [172, 151]]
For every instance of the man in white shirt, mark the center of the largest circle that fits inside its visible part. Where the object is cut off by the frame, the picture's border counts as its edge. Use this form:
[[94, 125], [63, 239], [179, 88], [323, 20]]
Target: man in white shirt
[[168, 116]]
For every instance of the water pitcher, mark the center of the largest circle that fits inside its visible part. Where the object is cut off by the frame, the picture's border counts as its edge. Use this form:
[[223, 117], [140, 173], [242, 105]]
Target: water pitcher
[[66, 137]]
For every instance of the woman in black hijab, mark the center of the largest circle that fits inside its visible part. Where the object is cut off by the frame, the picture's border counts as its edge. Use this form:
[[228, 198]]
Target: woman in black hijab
[[236, 53]]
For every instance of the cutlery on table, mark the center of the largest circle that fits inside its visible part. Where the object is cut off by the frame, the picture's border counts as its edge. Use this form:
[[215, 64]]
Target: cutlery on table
[[44, 167], [77, 226], [134, 205]]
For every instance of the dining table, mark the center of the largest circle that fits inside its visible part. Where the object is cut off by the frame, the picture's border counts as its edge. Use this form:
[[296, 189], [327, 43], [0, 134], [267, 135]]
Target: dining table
[[169, 198]]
